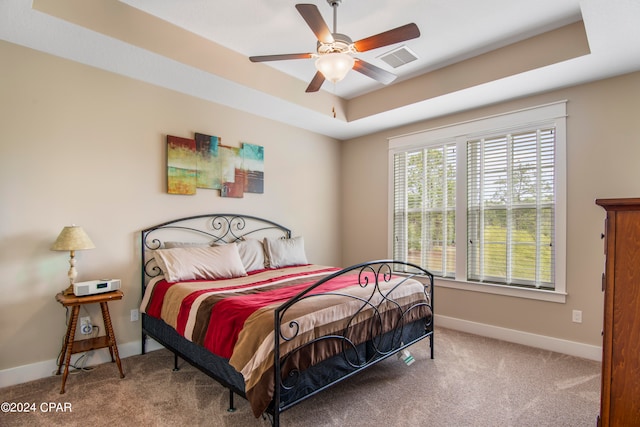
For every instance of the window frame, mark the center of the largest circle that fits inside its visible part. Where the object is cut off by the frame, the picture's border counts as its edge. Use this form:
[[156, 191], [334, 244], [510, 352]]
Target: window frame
[[553, 114]]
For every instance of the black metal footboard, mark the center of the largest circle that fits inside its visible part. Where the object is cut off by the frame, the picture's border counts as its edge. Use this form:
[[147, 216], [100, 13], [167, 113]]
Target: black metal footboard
[[383, 322]]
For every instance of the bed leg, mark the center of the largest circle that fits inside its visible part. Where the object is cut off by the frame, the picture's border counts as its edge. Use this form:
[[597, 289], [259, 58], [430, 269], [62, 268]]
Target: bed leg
[[232, 407], [431, 344], [175, 362], [144, 343]]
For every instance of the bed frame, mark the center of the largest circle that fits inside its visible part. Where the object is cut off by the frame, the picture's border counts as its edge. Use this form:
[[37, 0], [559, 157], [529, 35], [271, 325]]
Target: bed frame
[[295, 386]]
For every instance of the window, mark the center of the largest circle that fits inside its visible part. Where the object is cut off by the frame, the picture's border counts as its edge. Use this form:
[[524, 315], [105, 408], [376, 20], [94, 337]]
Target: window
[[510, 195], [425, 203], [482, 203]]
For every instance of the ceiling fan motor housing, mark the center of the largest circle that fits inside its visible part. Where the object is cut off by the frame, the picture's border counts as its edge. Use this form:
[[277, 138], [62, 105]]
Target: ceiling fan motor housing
[[341, 43]]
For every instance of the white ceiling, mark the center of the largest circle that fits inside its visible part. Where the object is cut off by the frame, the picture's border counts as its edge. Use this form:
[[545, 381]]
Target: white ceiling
[[451, 30]]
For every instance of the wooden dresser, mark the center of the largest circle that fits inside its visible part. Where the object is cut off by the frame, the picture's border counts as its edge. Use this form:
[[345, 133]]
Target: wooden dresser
[[620, 393]]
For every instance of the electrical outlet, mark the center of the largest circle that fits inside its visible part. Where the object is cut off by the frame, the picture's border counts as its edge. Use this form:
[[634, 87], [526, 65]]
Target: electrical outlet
[[85, 325], [577, 316], [134, 315]]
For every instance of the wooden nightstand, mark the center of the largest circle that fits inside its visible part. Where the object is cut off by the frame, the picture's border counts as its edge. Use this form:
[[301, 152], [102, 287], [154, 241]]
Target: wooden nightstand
[[71, 346]]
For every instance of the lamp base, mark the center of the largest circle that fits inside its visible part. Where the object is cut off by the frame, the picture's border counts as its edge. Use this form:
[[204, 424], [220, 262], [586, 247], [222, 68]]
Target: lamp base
[[72, 274]]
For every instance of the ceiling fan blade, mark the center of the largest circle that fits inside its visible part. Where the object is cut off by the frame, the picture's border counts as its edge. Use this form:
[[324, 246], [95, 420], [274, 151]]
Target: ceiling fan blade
[[374, 72], [316, 83], [281, 57], [397, 35], [314, 20]]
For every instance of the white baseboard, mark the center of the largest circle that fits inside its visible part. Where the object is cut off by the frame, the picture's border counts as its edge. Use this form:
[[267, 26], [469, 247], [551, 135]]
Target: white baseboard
[[34, 371], [46, 368], [572, 348]]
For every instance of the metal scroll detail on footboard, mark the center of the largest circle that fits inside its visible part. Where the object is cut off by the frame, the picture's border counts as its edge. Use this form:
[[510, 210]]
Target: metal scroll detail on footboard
[[383, 321]]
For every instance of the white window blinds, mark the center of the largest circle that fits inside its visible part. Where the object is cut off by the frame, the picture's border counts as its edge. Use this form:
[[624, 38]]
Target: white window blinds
[[424, 207], [510, 208]]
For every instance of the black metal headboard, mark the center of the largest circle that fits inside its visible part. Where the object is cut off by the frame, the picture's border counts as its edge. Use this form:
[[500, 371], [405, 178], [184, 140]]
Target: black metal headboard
[[203, 229]]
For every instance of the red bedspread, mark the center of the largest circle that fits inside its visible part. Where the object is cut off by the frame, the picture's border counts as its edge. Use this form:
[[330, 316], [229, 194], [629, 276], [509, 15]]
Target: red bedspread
[[231, 302]]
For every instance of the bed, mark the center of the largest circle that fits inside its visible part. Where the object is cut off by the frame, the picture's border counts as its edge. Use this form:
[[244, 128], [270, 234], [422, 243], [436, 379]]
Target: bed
[[235, 296]]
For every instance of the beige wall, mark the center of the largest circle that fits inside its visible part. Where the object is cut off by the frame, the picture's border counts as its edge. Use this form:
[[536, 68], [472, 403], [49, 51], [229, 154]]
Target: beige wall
[[80, 145], [603, 150], [84, 146]]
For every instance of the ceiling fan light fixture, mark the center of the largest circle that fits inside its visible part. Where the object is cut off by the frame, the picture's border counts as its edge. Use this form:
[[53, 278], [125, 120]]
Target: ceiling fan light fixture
[[334, 66]]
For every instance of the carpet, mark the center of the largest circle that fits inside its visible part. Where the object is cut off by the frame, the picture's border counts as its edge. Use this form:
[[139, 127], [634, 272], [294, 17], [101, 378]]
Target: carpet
[[473, 381]]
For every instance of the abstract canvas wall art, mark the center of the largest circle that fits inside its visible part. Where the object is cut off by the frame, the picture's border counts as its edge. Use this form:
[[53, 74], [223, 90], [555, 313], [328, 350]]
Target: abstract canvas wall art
[[232, 172], [203, 162], [253, 165], [209, 173], [181, 165]]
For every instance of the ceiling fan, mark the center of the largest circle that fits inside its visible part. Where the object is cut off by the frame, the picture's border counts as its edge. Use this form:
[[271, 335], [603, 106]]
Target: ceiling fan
[[335, 51]]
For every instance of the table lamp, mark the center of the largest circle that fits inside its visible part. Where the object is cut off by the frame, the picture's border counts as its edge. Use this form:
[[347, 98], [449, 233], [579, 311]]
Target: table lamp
[[72, 238]]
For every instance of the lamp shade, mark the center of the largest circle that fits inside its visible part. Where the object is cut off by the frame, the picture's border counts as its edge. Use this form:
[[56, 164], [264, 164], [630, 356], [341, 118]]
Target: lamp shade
[[72, 238], [334, 66]]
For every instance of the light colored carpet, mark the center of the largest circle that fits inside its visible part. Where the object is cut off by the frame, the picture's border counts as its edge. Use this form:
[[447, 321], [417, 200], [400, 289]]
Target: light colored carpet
[[473, 381]]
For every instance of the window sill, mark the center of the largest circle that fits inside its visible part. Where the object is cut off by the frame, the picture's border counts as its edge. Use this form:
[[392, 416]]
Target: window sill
[[488, 288]]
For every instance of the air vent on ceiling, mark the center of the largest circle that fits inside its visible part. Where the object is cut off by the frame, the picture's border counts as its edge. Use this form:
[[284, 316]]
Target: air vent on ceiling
[[398, 56]]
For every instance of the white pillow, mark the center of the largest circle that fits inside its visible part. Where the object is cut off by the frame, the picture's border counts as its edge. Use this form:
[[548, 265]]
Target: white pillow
[[252, 254], [285, 252], [171, 245], [191, 263]]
